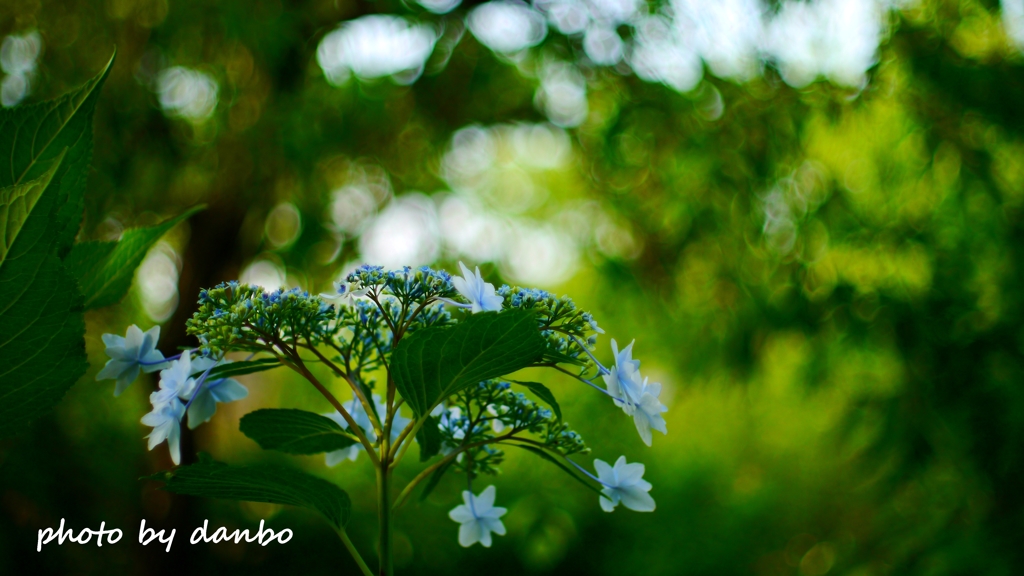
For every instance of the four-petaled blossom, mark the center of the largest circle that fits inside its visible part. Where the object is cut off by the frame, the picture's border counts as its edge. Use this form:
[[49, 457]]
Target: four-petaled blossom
[[355, 409], [129, 354], [648, 412], [478, 517], [624, 483], [480, 294], [623, 381]]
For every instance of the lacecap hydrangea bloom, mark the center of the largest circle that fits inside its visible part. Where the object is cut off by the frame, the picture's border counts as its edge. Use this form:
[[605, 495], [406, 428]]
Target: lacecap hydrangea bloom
[[423, 358]]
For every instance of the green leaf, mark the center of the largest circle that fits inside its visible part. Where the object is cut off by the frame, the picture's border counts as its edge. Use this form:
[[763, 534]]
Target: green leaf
[[554, 461], [42, 345], [541, 391], [105, 269], [33, 137], [259, 483], [242, 368], [558, 357], [429, 439], [295, 431], [435, 479], [434, 363]]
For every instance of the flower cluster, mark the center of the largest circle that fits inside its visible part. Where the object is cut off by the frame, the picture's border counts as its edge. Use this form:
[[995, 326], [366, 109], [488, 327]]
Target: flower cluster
[[570, 332], [235, 316], [408, 284]]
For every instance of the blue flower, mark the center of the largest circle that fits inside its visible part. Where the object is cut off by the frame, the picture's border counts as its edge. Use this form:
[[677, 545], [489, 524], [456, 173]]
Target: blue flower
[[624, 483], [478, 518], [623, 380], [480, 294], [129, 354], [647, 413], [346, 291], [204, 401]]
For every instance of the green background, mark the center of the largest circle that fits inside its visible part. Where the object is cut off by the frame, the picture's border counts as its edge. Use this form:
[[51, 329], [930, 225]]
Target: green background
[[827, 280]]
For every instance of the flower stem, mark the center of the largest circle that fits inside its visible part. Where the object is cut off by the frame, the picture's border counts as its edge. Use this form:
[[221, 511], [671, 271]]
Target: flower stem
[[384, 518], [355, 553]]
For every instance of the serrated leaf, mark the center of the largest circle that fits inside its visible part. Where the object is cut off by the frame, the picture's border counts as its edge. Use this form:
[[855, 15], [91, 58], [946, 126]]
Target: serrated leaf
[[541, 391], [32, 137], [232, 369], [435, 479], [42, 346], [105, 269], [544, 455], [295, 431], [429, 439], [259, 483], [434, 363]]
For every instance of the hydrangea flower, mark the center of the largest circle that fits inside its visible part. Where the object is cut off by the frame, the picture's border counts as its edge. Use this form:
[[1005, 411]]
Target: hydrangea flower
[[165, 420], [174, 380], [204, 402], [624, 483], [480, 294], [355, 409], [647, 413], [129, 354], [623, 380], [346, 291], [478, 518]]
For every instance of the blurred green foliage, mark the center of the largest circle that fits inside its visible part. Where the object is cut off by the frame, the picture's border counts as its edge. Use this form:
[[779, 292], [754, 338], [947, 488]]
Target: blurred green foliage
[[826, 279]]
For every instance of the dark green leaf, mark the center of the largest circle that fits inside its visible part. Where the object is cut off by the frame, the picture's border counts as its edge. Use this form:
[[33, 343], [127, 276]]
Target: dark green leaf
[[242, 368], [434, 363], [295, 431], [105, 269], [435, 479], [259, 483], [429, 439], [42, 349], [33, 137], [558, 357], [541, 391], [554, 461]]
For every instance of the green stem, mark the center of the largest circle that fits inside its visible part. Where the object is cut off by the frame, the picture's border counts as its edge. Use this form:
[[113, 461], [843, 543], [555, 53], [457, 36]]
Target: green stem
[[384, 515], [355, 553]]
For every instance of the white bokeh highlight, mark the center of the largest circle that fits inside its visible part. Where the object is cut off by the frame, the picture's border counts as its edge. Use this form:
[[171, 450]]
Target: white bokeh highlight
[[19, 56], [186, 93], [507, 27], [376, 46]]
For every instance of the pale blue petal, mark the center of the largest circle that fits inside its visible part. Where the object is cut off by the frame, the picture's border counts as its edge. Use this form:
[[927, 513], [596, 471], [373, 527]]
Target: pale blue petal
[[228, 391], [638, 500], [112, 369], [469, 533], [485, 501], [126, 378], [202, 409], [461, 514]]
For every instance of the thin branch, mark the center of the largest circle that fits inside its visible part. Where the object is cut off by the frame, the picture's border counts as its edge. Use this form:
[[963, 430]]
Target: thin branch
[[355, 553], [375, 421], [404, 495], [353, 427]]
